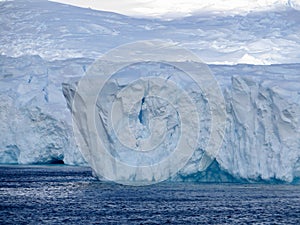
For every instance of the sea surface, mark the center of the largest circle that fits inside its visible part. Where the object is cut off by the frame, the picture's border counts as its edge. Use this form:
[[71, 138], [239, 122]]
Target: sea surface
[[71, 195]]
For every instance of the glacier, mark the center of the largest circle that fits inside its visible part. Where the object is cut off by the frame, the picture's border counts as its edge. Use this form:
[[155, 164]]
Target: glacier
[[45, 53], [35, 123], [262, 139]]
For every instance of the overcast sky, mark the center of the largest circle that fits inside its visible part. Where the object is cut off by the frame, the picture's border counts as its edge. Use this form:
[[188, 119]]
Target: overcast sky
[[174, 8]]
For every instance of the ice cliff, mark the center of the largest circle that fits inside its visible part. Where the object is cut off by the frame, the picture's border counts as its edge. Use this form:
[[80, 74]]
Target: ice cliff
[[35, 124], [262, 140], [263, 135]]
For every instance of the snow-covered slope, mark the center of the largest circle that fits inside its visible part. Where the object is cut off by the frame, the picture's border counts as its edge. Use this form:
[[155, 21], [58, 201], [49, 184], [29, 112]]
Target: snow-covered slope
[[183, 8], [45, 44], [56, 31]]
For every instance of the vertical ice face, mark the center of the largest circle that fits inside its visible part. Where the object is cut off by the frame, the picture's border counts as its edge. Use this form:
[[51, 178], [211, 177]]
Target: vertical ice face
[[34, 121], [142, 124], [261, 141], [263, 133]]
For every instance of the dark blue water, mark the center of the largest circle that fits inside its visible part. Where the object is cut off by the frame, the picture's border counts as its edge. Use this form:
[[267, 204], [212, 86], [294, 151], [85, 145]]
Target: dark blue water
[[61, 194]]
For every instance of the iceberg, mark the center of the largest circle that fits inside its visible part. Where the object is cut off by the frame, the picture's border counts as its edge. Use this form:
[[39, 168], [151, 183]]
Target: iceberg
[[137, 117], [262, 139]]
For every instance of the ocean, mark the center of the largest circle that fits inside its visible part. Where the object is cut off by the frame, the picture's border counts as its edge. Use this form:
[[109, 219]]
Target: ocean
[[71, 195]]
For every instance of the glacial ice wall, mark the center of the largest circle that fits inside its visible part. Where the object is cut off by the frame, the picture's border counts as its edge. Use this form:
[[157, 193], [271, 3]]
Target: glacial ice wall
[[262, 140], [263, 132], [35, 124]]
